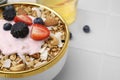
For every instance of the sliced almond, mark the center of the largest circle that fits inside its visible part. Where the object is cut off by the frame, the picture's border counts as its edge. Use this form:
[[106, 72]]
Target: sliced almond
[[13, 57], [36, 61], [27, 58], [19, 67], [30, 64], [34, 13], [51, 21], [1, 64], [54, 41]]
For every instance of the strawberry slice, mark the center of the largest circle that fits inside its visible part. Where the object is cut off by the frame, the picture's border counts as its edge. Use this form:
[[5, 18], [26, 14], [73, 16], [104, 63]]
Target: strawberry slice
[[39, 32], [23, 18]]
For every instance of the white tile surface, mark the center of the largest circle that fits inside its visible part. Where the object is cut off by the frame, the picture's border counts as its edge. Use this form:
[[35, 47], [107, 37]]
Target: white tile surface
[[94, 56], [114, 7], [112, 33], [111, 68], [94, 5], [81, 65], [104, 38], [96, 39]]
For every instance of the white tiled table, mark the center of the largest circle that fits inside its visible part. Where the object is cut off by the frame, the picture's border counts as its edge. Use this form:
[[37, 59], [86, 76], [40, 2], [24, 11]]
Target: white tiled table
[[94, 56]]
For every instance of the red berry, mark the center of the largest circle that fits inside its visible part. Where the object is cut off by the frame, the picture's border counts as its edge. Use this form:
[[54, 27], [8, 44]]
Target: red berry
[[23, 18], [39, 32]]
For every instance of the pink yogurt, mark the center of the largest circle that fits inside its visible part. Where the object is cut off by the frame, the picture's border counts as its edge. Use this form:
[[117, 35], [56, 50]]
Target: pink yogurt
[[9, 44]]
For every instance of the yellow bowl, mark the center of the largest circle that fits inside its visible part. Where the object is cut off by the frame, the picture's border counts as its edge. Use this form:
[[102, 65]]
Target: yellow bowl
[[57, 62]]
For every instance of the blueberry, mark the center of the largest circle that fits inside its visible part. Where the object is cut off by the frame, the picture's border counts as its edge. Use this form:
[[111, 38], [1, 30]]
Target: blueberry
[[71, 36], [7, 26], [86, 29], [38, 21], [9, 7], [9, 13]]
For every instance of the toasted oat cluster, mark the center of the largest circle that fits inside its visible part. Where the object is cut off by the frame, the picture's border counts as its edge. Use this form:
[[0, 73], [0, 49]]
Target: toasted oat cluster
[[51, 37]]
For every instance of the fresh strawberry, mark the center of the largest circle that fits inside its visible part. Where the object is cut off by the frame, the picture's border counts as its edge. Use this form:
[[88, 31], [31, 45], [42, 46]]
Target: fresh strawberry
[[39, 32], [23, 18]]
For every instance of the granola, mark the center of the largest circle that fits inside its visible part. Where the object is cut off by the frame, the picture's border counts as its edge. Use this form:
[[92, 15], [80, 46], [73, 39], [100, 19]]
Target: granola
[[48, 50]]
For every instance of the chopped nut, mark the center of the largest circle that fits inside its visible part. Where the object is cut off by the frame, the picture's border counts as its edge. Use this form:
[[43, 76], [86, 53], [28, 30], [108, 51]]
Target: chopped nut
[[44, 45], [55, 28], [5, 69], [1, 16], [55, 53], [43, 15], [13, 57], [40, 63], [52, 14], [49, 58], [49, 45], [20, 61], [28, 10], [27, 58], [50, 21], [17, 59], [30, 64], [36, 55], [1, 56], [54, 49], [21, 11], [46, 12], [1, 64], [34, 13], [2, 61], [5, 57], [63, 37], [19, 67], [38, 12], [36, 61], [57, 18], [54, 41], [14, 63]]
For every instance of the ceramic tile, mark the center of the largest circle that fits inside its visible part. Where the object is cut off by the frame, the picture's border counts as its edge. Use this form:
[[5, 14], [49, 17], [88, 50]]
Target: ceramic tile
[[94, 5], [113, 38], [81, 65], [111, 68], [114, 7], [96, 39]]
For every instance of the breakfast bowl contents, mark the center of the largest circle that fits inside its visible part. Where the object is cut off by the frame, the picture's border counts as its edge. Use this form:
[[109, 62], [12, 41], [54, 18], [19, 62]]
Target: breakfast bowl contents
[[33, 39]]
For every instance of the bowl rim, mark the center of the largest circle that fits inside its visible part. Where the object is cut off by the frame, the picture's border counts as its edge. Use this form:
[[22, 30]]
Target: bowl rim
[[49, 64], [3, 2]]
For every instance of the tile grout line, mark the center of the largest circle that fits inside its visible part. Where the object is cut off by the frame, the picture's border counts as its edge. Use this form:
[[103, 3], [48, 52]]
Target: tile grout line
[[98, 52], [100, 70], [94, 52], [104, 13]]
